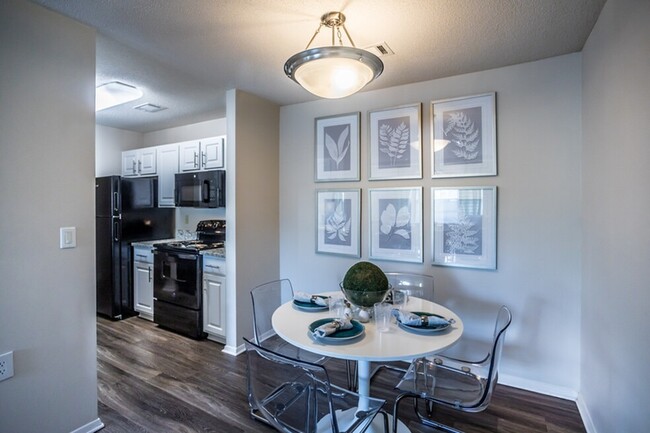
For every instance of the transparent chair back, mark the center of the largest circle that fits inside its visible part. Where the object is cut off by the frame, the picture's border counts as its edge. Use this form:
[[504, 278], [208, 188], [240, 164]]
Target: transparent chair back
[[418, 285]]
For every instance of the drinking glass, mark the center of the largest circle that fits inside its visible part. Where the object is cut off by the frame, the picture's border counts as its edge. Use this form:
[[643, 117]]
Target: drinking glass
[[382, 315], [400, 298], [337, 306]]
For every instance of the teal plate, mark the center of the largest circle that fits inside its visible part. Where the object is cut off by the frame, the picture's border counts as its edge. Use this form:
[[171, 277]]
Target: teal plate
[[309, 306], [343, 335], [424, 329]]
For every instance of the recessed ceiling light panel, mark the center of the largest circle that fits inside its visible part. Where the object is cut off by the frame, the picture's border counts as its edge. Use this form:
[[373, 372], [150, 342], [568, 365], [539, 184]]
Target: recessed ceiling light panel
[[150, 108], [115, 93]]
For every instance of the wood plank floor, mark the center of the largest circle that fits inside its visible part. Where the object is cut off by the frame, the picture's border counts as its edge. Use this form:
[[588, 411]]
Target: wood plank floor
[[154, 381]]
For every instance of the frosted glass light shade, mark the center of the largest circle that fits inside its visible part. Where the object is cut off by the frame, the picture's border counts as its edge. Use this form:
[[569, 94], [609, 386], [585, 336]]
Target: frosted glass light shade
[[115, 93], [333, 72]]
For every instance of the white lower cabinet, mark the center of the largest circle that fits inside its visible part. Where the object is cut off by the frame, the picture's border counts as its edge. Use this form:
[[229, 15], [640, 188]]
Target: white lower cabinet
[[143, 281], [214, 298]]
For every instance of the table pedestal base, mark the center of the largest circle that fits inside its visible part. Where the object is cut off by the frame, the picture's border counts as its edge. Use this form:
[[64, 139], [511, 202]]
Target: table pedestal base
[[345, 419]]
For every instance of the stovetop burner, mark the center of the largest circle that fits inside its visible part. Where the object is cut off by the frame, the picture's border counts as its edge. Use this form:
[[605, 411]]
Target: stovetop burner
[[196, 245], [210, 234]]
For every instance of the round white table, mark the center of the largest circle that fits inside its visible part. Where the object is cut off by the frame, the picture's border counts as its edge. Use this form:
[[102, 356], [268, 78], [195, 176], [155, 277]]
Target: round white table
[[396, 344]]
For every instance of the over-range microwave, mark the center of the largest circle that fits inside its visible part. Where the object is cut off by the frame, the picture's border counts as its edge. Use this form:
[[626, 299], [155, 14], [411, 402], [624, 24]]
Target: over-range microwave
[[201, 189]]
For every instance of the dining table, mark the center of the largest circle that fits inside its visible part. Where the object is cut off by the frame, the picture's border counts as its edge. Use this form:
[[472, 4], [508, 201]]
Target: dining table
[[291, 321]]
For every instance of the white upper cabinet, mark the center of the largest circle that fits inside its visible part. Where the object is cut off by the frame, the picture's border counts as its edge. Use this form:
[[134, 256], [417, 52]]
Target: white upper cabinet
[[167, 169], [205, 154], [139, 162]]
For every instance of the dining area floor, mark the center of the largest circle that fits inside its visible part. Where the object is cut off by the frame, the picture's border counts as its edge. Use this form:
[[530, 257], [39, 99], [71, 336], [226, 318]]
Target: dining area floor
[[154, 381]]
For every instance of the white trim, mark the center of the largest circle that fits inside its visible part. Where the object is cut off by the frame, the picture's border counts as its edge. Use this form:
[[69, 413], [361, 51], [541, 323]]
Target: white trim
[[234, 350], [540, 387], [585, 415], [91, 427]]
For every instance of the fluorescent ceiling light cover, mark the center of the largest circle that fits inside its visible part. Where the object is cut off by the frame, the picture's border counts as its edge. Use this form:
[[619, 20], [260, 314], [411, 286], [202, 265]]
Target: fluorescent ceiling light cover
[[115, 93]]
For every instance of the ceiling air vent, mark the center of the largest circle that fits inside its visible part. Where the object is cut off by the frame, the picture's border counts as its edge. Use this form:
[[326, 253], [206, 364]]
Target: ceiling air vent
[[150, 108], [380, 50]]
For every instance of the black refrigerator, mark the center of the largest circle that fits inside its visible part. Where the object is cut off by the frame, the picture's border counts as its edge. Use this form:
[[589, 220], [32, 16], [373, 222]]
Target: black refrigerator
[[126, 211]]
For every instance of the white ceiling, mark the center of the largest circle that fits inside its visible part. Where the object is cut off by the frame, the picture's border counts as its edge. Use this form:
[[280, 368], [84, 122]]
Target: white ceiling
[[186, 54]]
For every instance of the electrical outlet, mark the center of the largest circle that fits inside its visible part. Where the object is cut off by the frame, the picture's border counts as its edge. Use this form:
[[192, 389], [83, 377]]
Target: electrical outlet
[[6, 365]]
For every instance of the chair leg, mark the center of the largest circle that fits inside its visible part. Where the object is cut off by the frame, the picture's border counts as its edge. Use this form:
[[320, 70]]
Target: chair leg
[[423, 419]]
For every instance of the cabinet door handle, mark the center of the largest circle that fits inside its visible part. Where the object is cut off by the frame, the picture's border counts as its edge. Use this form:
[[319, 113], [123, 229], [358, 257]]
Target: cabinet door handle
[[196, 160], [204, 158], [149, 269], [134, 171], [139, 166]]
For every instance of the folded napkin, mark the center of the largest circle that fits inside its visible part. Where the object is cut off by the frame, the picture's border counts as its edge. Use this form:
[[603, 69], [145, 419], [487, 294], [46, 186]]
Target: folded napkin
[[425, 321], [330, 328], [308, 298]]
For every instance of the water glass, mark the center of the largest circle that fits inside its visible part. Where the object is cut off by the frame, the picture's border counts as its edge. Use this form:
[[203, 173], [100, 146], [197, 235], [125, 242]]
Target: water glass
[[382, 313], [337, 307], [400, 298]]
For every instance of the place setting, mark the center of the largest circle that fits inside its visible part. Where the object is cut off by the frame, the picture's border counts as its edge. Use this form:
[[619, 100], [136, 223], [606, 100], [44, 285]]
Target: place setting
[[307, 302], [419, 322]]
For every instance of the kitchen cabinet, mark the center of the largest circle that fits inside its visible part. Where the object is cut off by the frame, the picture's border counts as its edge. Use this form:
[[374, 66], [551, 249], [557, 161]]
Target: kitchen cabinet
[[143, 281], [204, 154], [214, 298], [139, 162], [167, 169]]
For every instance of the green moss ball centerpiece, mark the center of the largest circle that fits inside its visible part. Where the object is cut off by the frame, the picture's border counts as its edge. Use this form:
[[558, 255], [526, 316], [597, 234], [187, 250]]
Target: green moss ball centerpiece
[[365, 284]]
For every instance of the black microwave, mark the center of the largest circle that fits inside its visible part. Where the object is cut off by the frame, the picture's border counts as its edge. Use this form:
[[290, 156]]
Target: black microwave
[[201, 189]]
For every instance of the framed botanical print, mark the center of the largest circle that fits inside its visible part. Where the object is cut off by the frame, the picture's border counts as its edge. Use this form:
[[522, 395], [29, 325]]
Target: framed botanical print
[[463, 137], [395, 143], [396, 224], [337, 148], [338, 225], [464, 226]]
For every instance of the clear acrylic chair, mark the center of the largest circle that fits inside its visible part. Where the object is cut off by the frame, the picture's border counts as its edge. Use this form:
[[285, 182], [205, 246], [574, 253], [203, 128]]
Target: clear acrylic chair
[[299, 397], [418, 285], [266, 299], [459, 384]]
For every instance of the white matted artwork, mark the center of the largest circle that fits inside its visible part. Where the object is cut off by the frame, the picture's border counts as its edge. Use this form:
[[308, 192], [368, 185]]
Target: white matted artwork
[[396, 224], [338, 225], [395, 143], [463, 137], [337, 148], [464, 226]]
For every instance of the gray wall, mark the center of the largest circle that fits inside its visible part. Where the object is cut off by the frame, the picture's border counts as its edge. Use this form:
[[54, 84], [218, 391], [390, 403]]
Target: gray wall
[[109, 145], [47, 170], [615, 208], [538, 275]]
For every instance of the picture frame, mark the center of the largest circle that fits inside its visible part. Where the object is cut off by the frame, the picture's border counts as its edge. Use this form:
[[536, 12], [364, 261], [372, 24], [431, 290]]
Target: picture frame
[[395, 143], [337, 141], [396, 224], [338, 222], [464, 226], [463, 136]]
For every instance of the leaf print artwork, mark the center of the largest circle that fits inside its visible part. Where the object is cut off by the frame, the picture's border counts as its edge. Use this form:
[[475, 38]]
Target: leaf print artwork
[[394, 141], [337, 147], [395, 227], [462, 128], [463, 237], [338, 223]]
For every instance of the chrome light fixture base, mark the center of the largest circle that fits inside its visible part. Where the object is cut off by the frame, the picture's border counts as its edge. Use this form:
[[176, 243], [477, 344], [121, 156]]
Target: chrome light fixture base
[[333, 71]]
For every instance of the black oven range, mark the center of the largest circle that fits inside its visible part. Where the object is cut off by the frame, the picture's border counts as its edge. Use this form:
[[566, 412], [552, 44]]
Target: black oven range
[[178, 276]]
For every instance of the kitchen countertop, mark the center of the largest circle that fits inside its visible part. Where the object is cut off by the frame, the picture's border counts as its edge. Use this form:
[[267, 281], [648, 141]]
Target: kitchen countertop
[[216, 252]]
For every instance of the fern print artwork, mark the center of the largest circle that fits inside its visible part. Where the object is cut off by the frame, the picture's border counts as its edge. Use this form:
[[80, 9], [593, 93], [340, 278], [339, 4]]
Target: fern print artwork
[[337, 148], [395, 227], [394, 142], [463, 131], [337, 222]]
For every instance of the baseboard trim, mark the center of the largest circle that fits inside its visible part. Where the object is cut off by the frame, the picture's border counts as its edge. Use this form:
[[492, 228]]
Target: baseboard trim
[[91, 427], [585, 415], [540, 387], [234, 350]]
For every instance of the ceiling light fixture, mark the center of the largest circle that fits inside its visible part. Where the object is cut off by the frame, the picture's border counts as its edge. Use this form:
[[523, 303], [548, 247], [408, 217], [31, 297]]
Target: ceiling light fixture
[[334, 71], [115, 93]]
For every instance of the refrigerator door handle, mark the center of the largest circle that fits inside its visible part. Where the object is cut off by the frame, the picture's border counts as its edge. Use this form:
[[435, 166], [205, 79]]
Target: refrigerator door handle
[[116, 231]]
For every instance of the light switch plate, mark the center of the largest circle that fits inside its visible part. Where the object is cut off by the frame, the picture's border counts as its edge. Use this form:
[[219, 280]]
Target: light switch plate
[[67, 237]]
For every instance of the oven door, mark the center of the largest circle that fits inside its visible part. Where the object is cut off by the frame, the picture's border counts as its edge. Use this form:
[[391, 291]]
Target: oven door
[[177, 278]]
